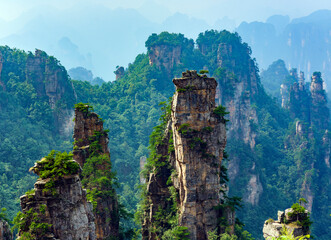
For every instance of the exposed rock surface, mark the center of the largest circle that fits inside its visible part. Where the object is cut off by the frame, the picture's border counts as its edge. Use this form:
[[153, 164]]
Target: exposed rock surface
[[198, 160], [92, 141], [5, 233], [166, 56], [320, 114], [69, 214], [241, 84], [119, 72], [86, 125], [199, 139], [299, 104], [274, 228], [50, 80]]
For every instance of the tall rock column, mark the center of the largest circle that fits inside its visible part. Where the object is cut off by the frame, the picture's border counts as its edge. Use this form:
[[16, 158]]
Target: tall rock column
[[320, 114], [92, 153], [199, 136], [57, 208]]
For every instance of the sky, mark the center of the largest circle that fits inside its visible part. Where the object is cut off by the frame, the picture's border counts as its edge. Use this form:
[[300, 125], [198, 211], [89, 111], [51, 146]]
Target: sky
[[208, 10], [101, 34]]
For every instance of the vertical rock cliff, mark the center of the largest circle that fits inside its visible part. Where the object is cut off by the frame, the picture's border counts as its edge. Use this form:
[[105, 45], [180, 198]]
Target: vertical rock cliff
[[320, 115], [187, 162], [238, 78], [5, 233], [165, 50], [296, 223], [92, 153], [50, 80], [198, 153], [57, 207]]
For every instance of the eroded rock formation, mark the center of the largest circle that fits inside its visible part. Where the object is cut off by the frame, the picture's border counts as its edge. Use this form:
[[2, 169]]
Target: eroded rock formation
[[5, 233], [166, 56], [119, 72], [320, 115], [50, 80], [91, 149], [198, 136], [57, 208], [238, 89], [299, 101], [286, 220]]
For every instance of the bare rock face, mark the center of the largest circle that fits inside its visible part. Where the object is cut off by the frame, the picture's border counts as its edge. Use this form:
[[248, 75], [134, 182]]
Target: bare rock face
[[299, 103], [286, 220], [91, 142], [319, 111], [327, 148], [119, 72], [198, 155], [166, 56], [5, 233], [51, 81], [86, 125], [241, 85], [199, 138], [57, 209]]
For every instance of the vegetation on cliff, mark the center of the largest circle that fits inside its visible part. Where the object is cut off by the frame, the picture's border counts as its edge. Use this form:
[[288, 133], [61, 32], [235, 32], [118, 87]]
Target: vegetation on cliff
[[280, 163]]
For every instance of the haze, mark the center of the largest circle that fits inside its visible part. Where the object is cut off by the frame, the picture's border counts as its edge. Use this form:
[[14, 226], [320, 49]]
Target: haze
[[101, 34]]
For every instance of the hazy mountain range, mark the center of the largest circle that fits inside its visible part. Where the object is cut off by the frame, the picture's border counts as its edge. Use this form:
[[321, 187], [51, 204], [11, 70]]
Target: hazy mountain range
[[99, 38]]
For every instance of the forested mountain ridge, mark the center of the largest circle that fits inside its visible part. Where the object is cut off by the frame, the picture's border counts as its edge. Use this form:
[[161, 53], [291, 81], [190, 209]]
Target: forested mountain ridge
[[267, 157], [35, 108]]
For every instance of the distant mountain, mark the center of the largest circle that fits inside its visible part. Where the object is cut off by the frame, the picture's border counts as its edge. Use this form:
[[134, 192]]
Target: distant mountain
[[303, 43], [91, 36]]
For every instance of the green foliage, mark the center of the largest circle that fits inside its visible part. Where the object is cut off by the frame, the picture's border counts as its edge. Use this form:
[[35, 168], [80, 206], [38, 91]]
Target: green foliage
[[56, 165], [170, 39], [288, 235], [30, 224], [221, 111], [3, 214], [203, 71], [83, 107], [177, 233]]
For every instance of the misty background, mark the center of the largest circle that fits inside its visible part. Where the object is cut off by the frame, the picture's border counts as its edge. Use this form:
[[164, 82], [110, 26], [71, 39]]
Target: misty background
[[100, 35]]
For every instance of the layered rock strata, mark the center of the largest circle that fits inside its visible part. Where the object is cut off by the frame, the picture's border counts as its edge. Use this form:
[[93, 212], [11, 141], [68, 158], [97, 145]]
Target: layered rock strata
[[50, 80], [238, 89], [91, 142], [57, 213], [198, 136], [288, 221], [320, 114]]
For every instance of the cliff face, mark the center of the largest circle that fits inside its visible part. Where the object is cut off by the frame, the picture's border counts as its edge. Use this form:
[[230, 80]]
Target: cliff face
[[238, 89], [91, 150], [57, 207], [320, 114], [51, 82], [166, 56], [86, 125], [119, 72], [198, 160], [5, 233], [288, 220], [198, 136], [299, 102]]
